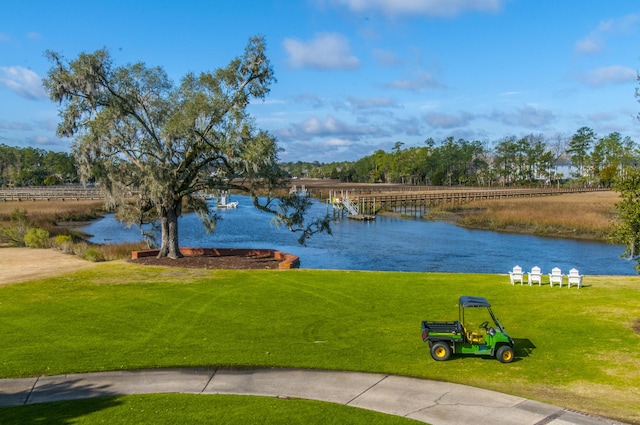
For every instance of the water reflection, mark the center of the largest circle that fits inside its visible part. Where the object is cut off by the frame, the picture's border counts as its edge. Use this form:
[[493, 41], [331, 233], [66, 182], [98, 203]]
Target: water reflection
[[388, 243]]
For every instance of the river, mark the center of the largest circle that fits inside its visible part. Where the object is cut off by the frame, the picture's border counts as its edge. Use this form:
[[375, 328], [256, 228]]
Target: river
[[387, 244]]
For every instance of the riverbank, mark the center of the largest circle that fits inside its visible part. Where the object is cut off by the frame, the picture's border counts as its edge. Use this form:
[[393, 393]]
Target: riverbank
[[581, 216]]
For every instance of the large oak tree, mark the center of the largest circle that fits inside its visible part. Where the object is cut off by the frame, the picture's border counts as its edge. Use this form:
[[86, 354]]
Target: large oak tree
[[154, 146]]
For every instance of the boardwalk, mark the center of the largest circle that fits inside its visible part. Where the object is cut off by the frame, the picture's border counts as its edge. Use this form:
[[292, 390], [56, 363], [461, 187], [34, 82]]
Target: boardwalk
[[50, 193], [366, 202]]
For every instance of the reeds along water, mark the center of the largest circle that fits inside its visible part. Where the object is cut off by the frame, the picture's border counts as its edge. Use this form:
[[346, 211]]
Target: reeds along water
[[582, 215]]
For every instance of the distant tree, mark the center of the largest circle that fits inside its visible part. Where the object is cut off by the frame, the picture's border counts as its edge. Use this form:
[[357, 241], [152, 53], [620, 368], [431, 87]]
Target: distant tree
[[612, 151], [504, 161], [608, 175], [580, 146], [137, 133], [29, 166]]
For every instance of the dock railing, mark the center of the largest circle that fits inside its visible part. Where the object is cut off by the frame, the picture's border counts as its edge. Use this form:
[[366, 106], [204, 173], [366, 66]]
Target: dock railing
[[50, 193]]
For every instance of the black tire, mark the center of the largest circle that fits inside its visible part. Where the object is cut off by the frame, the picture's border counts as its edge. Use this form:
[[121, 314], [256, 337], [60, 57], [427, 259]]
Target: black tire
[[505, 354], [440, 351]]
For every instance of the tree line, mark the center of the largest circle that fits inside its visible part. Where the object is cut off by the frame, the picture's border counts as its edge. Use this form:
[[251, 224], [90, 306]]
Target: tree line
[[532, 159], [35, 167]]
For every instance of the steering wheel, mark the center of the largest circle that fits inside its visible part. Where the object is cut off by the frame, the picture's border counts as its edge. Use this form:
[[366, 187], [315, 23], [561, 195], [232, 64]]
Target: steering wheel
[[484, 325]]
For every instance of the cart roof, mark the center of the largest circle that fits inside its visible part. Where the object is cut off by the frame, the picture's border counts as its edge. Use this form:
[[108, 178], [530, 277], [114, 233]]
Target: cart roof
[[469, 301]]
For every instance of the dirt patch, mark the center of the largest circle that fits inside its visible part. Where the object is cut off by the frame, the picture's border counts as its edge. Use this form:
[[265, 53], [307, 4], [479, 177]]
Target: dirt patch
[[22, 264], [237, 262]]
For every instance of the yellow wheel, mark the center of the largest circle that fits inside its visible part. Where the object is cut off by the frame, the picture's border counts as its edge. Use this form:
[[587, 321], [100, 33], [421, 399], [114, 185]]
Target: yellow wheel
[[440, 351], [505, 354]]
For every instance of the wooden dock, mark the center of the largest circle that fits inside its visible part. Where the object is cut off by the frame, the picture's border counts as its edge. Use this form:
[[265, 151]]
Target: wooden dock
[[417, 202]]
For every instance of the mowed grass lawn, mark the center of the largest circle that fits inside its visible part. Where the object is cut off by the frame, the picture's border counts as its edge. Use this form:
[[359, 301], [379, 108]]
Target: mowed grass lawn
[[575, 348]]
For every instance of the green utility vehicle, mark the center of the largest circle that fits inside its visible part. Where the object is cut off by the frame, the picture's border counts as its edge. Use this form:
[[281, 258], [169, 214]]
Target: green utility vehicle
[[457, 337]]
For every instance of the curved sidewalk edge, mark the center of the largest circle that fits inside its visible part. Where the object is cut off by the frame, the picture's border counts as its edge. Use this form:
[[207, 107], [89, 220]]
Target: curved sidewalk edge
[[437, 403]]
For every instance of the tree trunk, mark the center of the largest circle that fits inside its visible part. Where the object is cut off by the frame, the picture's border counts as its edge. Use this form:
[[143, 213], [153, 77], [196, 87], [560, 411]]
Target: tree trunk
[[169, 219]]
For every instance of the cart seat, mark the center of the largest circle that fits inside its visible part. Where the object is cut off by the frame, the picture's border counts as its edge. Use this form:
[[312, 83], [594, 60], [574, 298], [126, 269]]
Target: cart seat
[[474, 337]]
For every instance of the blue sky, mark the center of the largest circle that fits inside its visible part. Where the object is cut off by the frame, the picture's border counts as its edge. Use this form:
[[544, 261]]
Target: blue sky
[[354, 76]]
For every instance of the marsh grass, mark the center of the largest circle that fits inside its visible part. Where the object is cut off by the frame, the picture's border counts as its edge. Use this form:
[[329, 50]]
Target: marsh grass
[[120, 251], [59, 217], [580, 215], [576, 348], [53, 216], [61, 210]]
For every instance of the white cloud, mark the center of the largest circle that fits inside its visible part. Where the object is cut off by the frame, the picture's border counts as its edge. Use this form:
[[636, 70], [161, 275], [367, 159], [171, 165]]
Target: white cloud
[[22, 81], [338, 142], [430, 8], [311, 99], [325, 51], [602, 117], [423, 80], [442, 120], [589, 45], [528, 117], [15, 126], [372, 102], [330, 127], [615, 74], [594, 42]]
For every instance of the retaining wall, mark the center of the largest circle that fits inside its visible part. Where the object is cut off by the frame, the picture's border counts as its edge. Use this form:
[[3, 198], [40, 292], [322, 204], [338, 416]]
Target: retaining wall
[[287, 261]]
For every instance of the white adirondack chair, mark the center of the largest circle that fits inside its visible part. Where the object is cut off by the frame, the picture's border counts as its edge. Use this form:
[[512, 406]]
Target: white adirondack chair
[[516, 275], [555, 277], [575, 278], [535, 275]]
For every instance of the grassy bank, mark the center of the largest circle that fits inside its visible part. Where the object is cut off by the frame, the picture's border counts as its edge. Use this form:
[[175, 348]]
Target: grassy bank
[[575, 348], [578, 216]]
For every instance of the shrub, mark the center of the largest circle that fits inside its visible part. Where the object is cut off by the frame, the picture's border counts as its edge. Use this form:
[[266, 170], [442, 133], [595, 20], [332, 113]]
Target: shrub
[[64, 243], [93, 254], [36, 238], [80, 249], [15, 233]]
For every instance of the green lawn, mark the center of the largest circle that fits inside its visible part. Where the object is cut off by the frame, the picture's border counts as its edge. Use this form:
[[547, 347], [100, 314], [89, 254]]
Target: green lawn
[[575, 348], [195, 409]]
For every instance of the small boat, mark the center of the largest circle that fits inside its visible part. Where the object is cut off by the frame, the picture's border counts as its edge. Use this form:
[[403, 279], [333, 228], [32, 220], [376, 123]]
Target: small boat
[[227, 205], [223, 204]]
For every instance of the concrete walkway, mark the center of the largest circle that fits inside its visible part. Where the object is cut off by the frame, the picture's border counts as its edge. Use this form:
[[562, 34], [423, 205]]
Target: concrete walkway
[[437, 403]]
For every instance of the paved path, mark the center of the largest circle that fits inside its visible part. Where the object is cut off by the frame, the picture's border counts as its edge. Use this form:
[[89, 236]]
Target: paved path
[[433, 402]]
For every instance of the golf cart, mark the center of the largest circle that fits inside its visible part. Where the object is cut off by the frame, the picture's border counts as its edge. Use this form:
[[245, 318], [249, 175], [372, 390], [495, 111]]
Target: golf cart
[[461, 337]]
